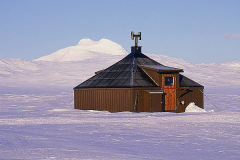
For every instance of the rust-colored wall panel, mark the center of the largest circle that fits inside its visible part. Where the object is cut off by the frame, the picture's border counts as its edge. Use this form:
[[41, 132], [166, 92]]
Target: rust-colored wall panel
[[170, 99]]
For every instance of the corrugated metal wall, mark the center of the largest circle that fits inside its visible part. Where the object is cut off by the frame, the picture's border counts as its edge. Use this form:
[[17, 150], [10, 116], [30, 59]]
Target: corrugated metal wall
[[113, 100]]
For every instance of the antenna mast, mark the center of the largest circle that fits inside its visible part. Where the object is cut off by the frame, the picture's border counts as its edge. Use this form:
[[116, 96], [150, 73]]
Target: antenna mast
[[136, 36]]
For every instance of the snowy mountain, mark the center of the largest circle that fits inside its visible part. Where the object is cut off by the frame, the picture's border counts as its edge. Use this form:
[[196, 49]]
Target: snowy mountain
[[86, 49]]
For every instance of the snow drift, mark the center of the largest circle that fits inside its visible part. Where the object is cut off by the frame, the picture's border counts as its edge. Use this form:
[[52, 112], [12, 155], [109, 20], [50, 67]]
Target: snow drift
[[192, 107]]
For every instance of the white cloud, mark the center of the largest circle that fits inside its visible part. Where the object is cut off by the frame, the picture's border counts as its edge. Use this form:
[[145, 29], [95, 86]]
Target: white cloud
[[233, 36]]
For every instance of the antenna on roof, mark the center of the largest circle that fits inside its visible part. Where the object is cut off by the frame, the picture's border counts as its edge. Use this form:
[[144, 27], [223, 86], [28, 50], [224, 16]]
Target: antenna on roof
[[136, 36]]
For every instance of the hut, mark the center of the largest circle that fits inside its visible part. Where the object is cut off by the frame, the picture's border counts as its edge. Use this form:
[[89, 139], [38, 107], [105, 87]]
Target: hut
[[138, 83]]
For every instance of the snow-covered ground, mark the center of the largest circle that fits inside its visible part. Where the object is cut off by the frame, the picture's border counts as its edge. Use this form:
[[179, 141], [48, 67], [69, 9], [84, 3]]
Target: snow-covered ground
[[45, 126], [37, 119]]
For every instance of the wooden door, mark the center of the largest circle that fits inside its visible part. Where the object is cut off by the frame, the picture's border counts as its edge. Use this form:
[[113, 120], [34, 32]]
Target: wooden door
[[153, 101], [156, 102], [170, 89]]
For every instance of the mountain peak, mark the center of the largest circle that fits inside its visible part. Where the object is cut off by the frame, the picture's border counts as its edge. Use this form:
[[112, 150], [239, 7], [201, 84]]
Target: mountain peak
[[86, 49], [86, 42], [104, 40]]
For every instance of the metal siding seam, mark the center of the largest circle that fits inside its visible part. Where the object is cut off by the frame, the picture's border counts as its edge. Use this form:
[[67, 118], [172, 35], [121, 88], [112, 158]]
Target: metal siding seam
[[79, 99]]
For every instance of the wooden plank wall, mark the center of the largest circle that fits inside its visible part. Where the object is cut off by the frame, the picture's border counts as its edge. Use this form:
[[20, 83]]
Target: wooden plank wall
[[104, 99], [195, 96]]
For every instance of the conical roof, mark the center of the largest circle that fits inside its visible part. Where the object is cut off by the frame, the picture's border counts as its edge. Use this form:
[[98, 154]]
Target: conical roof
[[123, 74]]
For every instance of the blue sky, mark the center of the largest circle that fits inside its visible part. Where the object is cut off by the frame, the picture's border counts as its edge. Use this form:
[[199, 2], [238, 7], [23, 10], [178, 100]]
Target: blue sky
[[197, 31]]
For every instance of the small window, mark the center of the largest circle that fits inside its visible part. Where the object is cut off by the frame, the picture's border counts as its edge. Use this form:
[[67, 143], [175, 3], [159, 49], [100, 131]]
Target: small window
[[168, 81]]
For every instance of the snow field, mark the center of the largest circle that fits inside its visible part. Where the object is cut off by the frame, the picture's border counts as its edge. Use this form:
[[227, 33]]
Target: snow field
[[47, 127]]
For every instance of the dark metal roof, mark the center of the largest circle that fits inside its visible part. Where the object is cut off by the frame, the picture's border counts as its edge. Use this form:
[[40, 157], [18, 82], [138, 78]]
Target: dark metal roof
[[187, 82], [161, 68], [123, 74]]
